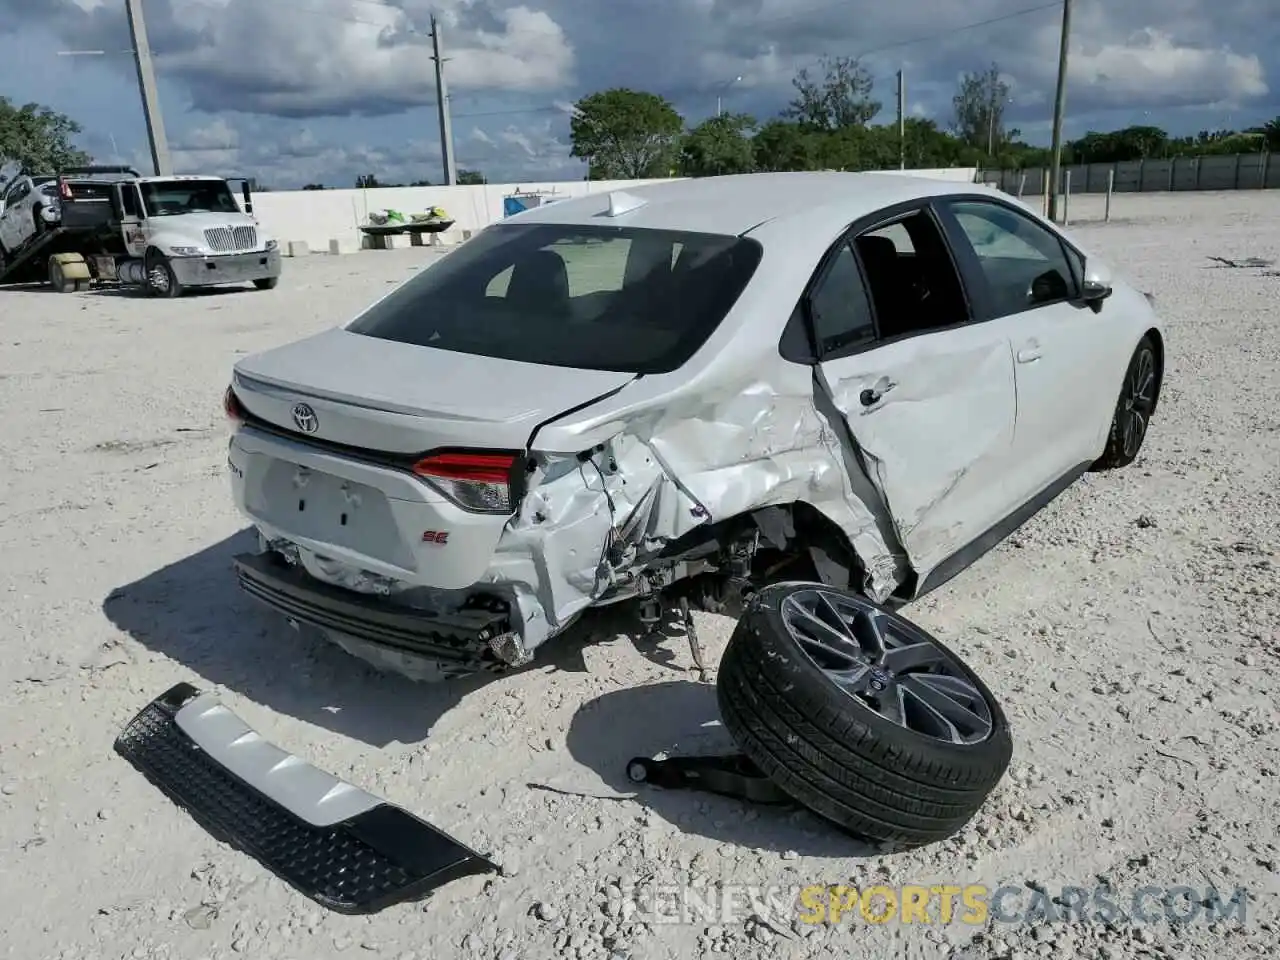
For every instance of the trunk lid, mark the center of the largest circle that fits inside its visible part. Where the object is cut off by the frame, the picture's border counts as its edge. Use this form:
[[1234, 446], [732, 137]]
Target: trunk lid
[[393, 397]]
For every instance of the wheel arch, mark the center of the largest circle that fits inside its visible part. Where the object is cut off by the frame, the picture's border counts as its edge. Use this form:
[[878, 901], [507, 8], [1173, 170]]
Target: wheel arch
[[1157, 340], [838, 558]]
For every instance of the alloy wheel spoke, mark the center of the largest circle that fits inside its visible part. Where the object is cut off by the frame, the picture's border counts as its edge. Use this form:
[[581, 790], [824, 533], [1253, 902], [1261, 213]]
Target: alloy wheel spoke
[[828, 639], [911, 656], [868, 631], [886, 666], [960, 692], [853, 679], [950, 700]]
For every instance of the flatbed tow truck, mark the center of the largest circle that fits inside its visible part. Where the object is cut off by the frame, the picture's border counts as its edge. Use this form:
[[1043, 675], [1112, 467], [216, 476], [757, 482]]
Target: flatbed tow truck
[[162, 234]]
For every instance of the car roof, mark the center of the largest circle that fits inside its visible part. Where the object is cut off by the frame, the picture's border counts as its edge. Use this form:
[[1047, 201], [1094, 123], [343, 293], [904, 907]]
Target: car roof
[[735, 204]]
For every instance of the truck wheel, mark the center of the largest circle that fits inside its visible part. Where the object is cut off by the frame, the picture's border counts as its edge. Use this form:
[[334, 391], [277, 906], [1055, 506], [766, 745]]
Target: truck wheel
[[161, 280], [860, 715], [266, 283]]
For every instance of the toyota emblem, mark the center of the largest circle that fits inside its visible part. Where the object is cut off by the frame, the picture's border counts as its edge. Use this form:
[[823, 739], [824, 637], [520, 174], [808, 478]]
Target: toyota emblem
[[305, 418]]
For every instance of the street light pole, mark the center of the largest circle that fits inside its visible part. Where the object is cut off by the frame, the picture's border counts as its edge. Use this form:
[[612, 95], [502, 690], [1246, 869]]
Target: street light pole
[[159, 143], [1059, 107], [719, 96]]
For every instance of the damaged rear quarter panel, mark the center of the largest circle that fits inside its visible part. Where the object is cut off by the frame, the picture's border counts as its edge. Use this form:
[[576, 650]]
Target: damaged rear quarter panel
[[702, 456]]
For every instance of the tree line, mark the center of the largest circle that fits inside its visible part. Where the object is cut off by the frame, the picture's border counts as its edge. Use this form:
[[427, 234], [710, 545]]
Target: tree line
[[624, 133]]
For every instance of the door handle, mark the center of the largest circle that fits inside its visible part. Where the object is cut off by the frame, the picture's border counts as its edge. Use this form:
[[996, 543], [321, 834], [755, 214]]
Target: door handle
[[1029, 355], [873, 395]]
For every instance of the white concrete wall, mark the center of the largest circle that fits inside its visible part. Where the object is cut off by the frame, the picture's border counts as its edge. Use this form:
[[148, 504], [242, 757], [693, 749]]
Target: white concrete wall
[[315, 217]]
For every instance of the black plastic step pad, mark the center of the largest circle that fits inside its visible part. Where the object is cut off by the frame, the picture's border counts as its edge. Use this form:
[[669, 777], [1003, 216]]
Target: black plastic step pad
[[364, 864]]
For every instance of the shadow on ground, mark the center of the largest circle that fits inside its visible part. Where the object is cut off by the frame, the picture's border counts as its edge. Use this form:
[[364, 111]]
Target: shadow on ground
[[681, 718], [194, 612]]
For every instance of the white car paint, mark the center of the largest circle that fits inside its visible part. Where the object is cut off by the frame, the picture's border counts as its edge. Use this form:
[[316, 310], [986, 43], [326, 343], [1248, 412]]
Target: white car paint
[[967, 426], [20, 196]]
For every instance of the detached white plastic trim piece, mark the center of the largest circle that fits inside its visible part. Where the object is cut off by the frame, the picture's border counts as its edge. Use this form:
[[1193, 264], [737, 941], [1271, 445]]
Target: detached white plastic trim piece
[[307, 792]]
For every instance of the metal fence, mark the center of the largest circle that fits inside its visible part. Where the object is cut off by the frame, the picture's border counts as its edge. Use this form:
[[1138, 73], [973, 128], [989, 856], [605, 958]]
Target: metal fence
[[1241, 171]]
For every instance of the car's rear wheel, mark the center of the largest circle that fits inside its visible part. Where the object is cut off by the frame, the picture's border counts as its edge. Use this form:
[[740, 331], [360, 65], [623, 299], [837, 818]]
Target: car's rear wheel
[[1134, 407], [266, 283], [860, 715]]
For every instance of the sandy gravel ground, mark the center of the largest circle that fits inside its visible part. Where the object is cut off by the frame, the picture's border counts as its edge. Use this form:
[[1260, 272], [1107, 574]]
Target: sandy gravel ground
[[1132, 630]]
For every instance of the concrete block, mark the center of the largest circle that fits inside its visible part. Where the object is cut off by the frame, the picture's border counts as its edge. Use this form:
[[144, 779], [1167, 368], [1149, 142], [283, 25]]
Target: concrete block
[[339, 245], [382, 242], [296, 248]]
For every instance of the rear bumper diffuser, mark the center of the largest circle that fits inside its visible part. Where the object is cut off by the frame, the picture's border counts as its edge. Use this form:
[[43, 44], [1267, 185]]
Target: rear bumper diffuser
[[461, 639], [344, 848]]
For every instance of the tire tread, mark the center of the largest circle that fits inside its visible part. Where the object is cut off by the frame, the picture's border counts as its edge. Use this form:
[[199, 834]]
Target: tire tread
[[806, 735]]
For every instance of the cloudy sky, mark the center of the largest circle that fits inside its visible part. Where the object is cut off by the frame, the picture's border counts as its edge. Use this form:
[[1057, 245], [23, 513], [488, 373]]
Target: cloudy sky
[[295, 91]]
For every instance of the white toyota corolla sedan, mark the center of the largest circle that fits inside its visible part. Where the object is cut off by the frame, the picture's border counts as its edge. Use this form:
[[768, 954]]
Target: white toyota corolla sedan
[[683, 389]]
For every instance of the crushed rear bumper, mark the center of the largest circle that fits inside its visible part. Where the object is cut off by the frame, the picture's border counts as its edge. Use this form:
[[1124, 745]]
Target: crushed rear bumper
[[462, 640], [342, 847]]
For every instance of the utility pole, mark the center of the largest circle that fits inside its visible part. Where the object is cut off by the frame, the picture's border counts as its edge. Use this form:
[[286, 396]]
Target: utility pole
[[147, 87], [1059, 106], [442, 105], [991, 121], [902, 122]]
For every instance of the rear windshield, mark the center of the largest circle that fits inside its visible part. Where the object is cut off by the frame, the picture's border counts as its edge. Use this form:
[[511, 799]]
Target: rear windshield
[[591, 297]]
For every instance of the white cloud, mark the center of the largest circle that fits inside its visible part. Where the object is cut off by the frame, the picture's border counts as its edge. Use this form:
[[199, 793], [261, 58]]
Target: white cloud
[[1152, 64], [515, 68], [213, 148], [312, 57]]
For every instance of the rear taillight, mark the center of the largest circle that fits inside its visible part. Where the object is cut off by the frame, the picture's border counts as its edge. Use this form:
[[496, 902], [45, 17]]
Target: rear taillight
[[479, 482], [231, 406], [64, 188]]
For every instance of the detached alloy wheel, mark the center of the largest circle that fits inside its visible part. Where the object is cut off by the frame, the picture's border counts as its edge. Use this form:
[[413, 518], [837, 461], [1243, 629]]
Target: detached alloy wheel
[[860, 715]]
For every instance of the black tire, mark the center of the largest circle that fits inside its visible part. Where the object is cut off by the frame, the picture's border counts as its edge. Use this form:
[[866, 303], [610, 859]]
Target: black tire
[[39, 223], [834, 754], [156, 261], [266, 283], [1134, 407]]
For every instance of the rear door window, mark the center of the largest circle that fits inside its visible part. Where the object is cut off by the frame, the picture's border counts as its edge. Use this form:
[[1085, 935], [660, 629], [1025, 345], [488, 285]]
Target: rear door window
[[838, 306]]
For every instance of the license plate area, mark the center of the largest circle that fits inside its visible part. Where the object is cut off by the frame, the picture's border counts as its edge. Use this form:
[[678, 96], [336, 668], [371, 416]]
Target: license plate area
[[319, 506], [241, 267]]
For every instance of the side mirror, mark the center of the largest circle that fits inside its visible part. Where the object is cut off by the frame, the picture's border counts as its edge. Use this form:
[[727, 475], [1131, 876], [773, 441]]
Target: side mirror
[[1097, 283]]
